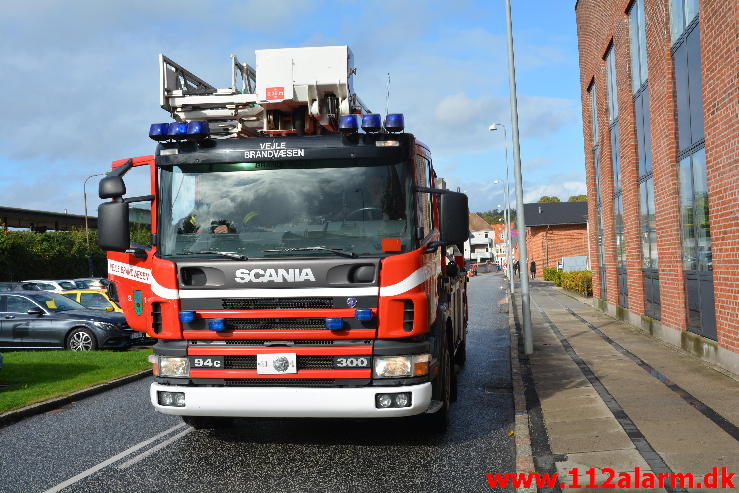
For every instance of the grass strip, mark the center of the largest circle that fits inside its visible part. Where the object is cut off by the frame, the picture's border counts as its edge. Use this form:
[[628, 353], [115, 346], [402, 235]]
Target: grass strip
[[33, 376]]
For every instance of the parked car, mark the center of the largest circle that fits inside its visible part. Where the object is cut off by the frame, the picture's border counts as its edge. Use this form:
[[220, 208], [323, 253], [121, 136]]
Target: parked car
[[53, 286], [93, 299], [92, 283], [18, 286], [44, 320]]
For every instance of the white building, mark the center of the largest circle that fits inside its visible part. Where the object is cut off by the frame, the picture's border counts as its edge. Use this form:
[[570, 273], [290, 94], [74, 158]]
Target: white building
[[480, 248]]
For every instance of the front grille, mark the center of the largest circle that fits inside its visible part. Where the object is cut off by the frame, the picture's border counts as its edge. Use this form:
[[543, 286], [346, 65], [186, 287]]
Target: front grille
[[276, 303], [275, 323], [262, 342], [279, 382], [303, 362]]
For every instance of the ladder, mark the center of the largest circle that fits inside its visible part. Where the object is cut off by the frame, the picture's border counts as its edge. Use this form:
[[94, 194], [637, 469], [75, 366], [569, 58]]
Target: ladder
[[298, 91]]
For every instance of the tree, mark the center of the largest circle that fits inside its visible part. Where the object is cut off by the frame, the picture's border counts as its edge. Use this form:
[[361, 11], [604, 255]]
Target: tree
[[578, 198], [544, 199]]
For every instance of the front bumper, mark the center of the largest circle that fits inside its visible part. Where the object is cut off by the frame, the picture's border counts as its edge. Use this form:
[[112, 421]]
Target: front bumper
[[291, 402]]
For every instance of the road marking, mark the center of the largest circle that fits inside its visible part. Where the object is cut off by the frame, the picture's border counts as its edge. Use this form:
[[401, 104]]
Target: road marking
[[113, 459], [155, 448]]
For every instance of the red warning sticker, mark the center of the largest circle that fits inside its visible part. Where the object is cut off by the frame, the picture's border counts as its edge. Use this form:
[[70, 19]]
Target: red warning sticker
[[275, 93]]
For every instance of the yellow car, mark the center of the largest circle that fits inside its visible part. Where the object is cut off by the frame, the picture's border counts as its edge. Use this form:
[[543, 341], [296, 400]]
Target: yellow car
[[93, 299]]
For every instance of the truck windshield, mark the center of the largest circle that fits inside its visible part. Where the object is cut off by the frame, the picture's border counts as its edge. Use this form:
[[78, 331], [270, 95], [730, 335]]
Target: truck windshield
[[274, 209]]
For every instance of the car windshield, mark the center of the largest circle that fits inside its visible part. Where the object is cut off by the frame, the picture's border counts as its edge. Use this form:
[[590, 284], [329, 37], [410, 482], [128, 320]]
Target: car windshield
[[82, 284], [67, 284], [284, 208], [55, 302]]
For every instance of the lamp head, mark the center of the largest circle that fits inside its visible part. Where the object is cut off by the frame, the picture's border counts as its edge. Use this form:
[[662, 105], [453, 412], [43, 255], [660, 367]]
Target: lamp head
[[493, 127]]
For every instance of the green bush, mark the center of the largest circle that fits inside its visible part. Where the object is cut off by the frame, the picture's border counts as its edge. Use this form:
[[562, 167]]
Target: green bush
[[550, 273], [580, 282]]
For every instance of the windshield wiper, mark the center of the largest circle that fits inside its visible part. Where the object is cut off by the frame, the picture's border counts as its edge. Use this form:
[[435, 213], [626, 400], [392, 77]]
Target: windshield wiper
[[336, 251], [231, 255]]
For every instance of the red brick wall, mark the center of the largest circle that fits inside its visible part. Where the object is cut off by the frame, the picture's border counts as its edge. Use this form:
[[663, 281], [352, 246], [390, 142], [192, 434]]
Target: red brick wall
[[718, 25], [600, 23], [555, 242]]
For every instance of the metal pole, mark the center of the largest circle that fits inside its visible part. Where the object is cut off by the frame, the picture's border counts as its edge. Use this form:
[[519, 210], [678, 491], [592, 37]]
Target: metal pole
[[508, 213], [528, 341]]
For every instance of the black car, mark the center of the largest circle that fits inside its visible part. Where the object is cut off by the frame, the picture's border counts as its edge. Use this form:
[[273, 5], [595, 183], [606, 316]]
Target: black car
[[44, 320]]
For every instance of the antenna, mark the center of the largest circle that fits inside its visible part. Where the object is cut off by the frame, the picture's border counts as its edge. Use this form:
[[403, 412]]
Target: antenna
[[387, 98]]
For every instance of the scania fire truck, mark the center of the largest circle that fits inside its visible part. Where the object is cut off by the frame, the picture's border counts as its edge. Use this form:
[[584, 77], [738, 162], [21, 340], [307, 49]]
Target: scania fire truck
[[304, 258]]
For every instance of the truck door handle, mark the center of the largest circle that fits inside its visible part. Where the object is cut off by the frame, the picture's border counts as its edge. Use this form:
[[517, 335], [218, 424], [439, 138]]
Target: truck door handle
[[9, 317]]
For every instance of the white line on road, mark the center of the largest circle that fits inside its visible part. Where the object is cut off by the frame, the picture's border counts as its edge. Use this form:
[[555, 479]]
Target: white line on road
[[113, 459], [155, 448]]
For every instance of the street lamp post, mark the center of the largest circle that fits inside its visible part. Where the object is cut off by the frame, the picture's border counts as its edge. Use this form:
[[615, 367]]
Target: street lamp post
[[528, 340], [87, 230], [507, 212]]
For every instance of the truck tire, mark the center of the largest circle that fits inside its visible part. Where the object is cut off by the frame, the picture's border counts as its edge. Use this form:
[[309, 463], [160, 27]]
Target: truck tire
[[461, 355], [439, 420], [206, 422]]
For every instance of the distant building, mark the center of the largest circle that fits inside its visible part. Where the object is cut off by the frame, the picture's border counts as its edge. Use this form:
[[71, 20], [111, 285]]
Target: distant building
[[480, 247], [556, 230]]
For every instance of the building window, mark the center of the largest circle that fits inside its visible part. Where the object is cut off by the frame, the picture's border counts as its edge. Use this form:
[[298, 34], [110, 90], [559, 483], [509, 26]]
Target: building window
[[682, 13], [691, 162], [611, 86], [638, 35], [598, 203]]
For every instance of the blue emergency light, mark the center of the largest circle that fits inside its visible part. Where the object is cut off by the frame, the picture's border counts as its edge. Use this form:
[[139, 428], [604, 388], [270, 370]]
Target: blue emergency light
[[158, 131], [198, 130], [394, 122], [187, 316], [348, 124], [334, 323], [217, 324], [371, 123], [177, 130], [363, 314]]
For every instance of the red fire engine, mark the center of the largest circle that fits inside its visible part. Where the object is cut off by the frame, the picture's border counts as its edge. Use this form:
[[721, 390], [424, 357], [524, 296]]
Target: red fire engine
[[298, 267]]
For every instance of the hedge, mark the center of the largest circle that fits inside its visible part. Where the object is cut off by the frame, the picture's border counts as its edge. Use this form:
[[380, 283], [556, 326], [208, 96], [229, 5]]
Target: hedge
[[551, 274], [51, 255], [580, 282]]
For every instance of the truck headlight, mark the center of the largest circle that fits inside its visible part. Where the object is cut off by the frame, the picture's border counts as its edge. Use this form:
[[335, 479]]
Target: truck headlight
[[173, 367], [412, 365]]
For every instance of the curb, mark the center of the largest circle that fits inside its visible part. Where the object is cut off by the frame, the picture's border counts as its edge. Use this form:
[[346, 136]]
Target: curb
[[16, 415], [524, 455]]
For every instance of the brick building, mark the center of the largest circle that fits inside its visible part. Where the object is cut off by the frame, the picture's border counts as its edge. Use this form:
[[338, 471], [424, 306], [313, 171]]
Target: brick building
[[555, 230], [659, 102]]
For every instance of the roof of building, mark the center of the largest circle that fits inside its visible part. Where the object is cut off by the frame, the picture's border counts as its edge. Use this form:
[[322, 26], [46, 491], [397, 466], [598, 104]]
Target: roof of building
[[552, 213], [13, 217], [478, 224]]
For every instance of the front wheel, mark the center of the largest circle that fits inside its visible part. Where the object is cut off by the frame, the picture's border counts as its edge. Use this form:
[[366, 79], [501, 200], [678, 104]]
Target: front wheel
[[81, 339], [440, 419]]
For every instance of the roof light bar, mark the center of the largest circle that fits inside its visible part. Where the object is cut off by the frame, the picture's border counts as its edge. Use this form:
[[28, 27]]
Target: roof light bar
[[158, 131], [177, 130]]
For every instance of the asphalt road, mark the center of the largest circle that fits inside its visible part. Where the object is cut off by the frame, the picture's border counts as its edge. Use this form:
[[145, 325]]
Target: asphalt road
[[115, 441]]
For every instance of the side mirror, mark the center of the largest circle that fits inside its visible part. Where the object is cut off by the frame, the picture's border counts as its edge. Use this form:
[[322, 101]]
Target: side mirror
[[455, 214], [111, 187], [35, 311], [113, 233]]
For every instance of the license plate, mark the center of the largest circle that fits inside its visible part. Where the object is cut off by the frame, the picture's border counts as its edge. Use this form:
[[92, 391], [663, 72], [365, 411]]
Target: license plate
[[276, 363], [137, 335], [206, 362]]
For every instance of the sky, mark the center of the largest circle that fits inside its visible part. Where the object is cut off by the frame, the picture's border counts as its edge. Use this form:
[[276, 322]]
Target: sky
[[80, 83]]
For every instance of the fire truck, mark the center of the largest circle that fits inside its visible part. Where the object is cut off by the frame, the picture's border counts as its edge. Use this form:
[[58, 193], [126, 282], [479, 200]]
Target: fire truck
[[304, 258]]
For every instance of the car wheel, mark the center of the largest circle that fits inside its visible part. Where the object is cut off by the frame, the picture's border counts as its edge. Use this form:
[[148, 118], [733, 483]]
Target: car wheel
[[461, 356], [81, 339]]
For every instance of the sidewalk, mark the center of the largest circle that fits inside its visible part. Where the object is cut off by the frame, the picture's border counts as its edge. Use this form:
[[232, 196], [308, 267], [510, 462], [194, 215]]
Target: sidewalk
[[610, 396]]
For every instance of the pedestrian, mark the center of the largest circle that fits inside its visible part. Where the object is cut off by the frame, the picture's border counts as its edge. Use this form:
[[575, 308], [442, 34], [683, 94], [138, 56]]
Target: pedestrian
[[516, 268], [533, 270]]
